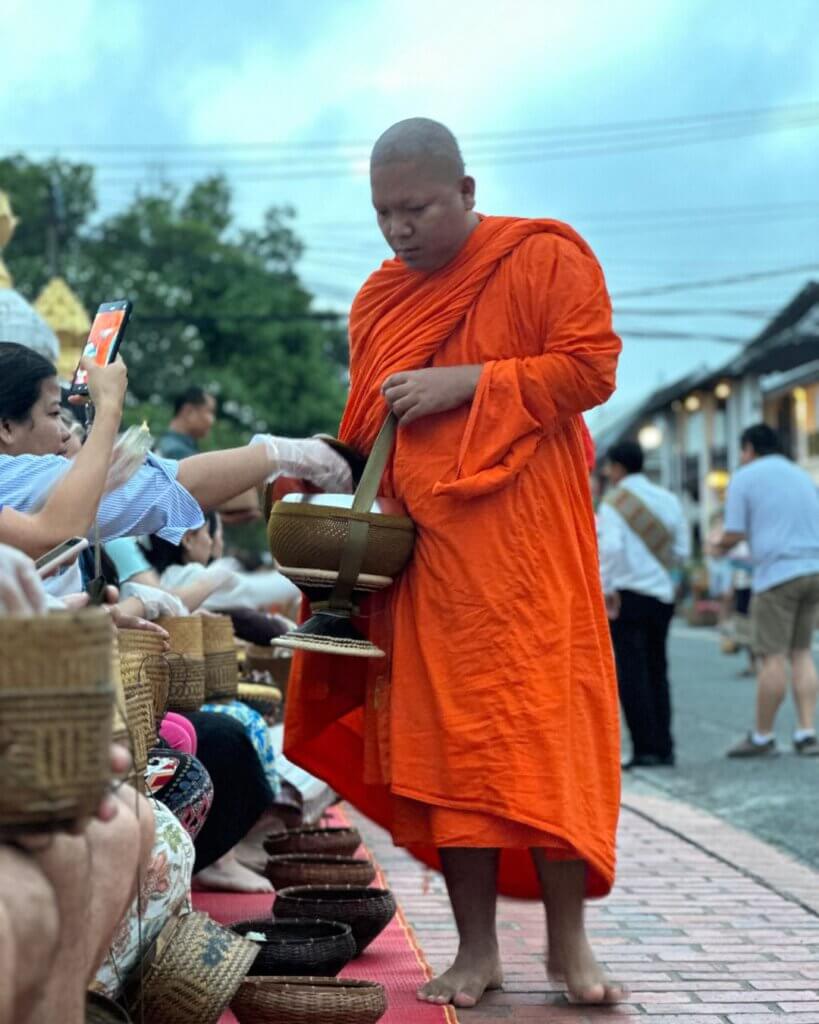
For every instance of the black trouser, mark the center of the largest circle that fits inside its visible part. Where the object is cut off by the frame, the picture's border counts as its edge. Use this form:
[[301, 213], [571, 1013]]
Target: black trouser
[[639, 635]]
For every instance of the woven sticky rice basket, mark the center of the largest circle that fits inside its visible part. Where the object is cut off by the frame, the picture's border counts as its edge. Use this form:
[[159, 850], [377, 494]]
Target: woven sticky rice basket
[[119, 725], [267, 700], [191, 973], [186, 660], [299, 947], [314, 537], [340, 841], [367, 911], [288, 869], [56, 698], [309, 1001], [148, 651], [137, 660], [221, 664], [99, 1009], [264, 659]]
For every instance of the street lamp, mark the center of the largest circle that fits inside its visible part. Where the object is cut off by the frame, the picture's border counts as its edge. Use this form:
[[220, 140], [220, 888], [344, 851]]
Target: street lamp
[[650, 437], [722, 390], [692, 403]]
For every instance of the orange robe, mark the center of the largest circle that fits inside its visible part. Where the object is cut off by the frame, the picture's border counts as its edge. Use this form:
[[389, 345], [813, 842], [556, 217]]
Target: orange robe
[[494, 719]]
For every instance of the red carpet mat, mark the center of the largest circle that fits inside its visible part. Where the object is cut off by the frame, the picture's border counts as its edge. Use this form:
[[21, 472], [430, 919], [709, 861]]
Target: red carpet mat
[[394, 960]]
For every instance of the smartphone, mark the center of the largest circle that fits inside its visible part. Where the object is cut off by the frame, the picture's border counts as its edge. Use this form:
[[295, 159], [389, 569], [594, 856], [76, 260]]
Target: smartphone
[[104, 340], [61, 555]]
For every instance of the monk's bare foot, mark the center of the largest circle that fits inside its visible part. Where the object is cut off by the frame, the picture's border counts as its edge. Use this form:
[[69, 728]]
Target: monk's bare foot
[[228, 875], [466, 980], [586, 982]]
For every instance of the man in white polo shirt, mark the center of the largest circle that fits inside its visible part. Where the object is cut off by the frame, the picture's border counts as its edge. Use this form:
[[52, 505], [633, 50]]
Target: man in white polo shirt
[[642, 535], [775, 506]]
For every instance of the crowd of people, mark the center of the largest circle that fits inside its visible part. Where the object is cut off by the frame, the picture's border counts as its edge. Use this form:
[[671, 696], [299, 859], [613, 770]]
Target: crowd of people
[[214, 784], [764, 562]]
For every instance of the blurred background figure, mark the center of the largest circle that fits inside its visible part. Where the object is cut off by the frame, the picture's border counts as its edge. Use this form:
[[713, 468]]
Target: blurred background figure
[[194, 412]]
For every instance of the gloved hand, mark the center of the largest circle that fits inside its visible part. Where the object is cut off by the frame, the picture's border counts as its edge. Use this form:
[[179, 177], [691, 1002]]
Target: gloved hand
[[309, 459], [156, 602]]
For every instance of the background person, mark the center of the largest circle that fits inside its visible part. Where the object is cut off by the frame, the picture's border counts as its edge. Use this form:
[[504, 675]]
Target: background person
[[643, 535], [774, 505], [194, 413]]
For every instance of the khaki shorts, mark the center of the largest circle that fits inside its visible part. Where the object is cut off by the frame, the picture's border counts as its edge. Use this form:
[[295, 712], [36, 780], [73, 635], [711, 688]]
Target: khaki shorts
[[784, 617]]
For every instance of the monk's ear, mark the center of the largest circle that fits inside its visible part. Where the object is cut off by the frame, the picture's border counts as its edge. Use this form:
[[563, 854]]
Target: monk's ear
[[468, 192]]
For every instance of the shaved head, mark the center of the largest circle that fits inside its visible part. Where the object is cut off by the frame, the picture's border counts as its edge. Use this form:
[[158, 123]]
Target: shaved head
[[422, 197], [421, 141]]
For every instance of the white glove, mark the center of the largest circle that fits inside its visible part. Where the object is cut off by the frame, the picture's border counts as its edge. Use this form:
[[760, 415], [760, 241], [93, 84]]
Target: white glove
[[156, 602], [21, 590], [310, 459]]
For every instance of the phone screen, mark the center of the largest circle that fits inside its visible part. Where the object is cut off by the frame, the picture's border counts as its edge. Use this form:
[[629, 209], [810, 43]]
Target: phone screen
[[106, 329]]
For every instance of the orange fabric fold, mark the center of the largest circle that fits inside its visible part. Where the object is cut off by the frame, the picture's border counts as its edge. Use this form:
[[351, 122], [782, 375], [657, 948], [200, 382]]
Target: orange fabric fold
[[495, 713]]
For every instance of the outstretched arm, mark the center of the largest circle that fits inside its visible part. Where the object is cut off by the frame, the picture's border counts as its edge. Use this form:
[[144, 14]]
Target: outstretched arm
[[71, 506], [215, 477]]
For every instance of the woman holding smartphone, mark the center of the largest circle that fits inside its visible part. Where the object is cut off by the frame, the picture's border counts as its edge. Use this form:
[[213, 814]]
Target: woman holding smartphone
[[70, 508]]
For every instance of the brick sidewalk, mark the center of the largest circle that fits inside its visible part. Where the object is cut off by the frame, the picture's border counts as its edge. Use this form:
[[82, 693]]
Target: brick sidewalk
[[699, 937]]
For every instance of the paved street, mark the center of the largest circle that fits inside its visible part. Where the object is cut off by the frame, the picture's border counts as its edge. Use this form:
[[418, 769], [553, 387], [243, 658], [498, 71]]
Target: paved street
[[777, 799], [709, 922]]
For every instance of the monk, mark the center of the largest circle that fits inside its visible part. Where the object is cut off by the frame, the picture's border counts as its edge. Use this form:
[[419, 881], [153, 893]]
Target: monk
[[487, 742]]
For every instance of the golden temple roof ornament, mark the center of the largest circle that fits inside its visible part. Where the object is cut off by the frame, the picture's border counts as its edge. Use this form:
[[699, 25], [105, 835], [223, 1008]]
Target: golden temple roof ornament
[[66, 315], [8, 222]]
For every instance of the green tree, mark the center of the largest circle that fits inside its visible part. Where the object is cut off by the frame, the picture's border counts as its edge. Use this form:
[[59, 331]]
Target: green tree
[[213, 304]]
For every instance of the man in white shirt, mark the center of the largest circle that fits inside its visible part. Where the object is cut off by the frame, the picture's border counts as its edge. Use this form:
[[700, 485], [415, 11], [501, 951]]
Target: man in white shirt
[[642, 535], [774, 505]]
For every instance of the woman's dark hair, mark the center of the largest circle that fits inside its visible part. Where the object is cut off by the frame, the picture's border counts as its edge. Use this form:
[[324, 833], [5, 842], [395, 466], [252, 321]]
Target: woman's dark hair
[[22, 372], [763, 439], [162, 553], [627, 454]]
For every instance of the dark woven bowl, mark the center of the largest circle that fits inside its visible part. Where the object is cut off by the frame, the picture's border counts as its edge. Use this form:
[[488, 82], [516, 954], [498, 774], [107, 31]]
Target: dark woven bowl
[[299, 947], [309, 1001], [342, 842], [366, 911], [288, 869], [99, 1009]]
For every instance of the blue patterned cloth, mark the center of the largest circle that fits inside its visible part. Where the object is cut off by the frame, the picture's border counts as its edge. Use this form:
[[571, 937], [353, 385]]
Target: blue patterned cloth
[[256, 728]]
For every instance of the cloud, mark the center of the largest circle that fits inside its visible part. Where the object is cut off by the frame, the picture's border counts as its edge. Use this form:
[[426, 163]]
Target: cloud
[[51, 46], [467, 63]]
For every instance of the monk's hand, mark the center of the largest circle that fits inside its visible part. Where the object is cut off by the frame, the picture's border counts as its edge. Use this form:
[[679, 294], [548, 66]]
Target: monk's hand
[[416, 393]]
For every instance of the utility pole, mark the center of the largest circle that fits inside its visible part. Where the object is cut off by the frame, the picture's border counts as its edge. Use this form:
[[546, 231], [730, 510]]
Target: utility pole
[[54, 230]]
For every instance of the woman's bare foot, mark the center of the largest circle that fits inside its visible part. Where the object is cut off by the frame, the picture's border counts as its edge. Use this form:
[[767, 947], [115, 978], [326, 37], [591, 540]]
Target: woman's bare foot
[[586, 982], [466, 980], [251, 854], [228, 875]]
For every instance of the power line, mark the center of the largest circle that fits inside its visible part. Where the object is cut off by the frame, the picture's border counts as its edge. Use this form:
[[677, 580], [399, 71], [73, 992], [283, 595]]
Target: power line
[[663, 335], [794, 208], [717, 282], [303, 168], [752, 314], [686, 120]]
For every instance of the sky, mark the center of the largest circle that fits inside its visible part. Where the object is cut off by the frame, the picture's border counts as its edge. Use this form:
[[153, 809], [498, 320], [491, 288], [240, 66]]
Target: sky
[[286, 98]]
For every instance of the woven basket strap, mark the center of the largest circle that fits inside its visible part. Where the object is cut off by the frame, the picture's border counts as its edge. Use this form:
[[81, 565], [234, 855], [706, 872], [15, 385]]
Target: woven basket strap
[[355, 547], [367, 489]]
